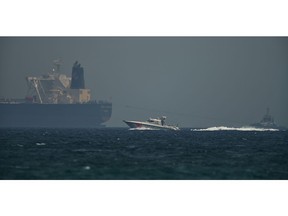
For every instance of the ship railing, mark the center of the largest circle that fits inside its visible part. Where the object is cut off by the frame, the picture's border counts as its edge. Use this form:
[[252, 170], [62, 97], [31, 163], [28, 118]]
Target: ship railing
[[100, 102], [11, 100]]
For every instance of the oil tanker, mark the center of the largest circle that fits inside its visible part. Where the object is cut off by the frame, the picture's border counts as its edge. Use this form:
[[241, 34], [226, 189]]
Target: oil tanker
[[55, 100]]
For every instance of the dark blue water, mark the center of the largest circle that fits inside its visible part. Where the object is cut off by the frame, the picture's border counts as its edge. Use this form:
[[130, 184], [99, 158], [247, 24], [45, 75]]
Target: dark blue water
[[118, 153]]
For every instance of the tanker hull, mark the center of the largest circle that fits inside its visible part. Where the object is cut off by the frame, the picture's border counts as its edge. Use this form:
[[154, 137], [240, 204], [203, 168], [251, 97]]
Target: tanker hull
[[54, 115]]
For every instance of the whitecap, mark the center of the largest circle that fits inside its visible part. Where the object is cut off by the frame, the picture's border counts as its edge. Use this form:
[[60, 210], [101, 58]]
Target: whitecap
[[40, 144], [86, 168], [80, 150]]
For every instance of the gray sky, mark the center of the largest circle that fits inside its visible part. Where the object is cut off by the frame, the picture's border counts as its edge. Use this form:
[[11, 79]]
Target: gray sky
[[195, 81]]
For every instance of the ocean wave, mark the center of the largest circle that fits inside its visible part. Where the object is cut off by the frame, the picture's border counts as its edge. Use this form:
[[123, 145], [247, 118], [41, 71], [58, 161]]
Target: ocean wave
[[40, 144], [223, 128]]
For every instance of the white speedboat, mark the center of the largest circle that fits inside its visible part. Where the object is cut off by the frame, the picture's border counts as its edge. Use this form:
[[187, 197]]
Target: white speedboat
[[152, 123]]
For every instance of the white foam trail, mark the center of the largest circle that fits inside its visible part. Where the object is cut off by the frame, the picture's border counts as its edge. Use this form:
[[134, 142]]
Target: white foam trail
[[223, 128]]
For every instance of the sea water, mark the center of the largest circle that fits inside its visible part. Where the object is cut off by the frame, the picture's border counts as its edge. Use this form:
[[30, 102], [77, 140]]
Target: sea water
[[120, 153]]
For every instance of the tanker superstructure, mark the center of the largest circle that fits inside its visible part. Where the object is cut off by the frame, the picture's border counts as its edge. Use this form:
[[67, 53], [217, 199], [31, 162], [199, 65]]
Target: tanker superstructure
[[55, 100]]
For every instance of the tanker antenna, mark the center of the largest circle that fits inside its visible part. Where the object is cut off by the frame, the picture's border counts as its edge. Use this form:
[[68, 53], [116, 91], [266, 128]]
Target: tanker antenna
[[57, 63]]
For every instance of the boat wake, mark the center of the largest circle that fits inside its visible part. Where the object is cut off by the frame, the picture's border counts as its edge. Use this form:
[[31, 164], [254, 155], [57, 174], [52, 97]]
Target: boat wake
[[223, 128], [141, 129]]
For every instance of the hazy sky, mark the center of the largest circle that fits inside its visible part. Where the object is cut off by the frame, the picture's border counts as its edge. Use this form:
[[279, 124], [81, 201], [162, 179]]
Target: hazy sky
[[194, 81]]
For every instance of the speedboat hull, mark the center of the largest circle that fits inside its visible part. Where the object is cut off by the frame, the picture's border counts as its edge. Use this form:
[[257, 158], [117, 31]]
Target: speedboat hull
[[147, 125]]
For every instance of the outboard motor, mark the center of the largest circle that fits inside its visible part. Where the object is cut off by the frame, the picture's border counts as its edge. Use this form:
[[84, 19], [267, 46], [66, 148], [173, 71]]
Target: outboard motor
[[77, 77]]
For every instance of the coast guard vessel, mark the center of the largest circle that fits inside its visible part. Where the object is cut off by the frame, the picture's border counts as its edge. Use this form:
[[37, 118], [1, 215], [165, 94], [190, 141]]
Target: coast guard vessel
[[55, 100], [267, 122], [151, 123]]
